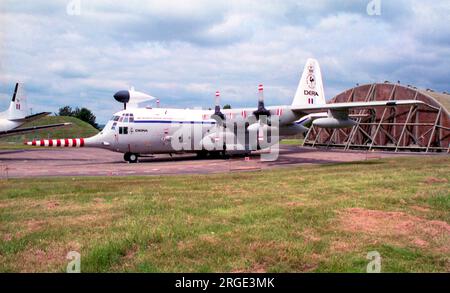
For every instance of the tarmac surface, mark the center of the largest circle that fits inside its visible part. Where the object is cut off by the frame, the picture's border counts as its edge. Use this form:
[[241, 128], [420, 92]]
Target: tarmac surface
[[44, 162]]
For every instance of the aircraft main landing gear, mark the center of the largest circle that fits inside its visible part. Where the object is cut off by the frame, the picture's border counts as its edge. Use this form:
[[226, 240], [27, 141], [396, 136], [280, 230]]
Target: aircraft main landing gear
[[130, 157]]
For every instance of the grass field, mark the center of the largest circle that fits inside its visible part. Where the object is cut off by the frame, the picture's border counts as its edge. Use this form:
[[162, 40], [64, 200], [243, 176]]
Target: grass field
[[308, 219], [293, 141]]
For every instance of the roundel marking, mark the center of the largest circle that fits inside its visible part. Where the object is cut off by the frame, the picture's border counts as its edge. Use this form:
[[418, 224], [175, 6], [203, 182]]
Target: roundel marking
[[311, 81]]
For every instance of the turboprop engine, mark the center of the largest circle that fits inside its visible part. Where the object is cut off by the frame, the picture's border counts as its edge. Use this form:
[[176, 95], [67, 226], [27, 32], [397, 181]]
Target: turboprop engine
[[217, 139], [260, 126], [334, 123], [335, 119], [293, 129], [219, 135], [261, 114]]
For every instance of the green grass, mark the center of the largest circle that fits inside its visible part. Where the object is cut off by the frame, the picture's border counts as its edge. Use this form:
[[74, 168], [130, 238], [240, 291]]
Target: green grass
[[291, 141], [77, 129], [309, 218]]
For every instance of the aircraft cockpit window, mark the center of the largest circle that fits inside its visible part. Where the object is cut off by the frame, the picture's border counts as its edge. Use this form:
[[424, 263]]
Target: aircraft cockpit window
[[116, 118], [123, 130], [120, 119], [125, 120]]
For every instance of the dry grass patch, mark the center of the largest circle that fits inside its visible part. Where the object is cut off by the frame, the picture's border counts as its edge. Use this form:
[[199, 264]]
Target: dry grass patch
[[49, 259], [398, 226], [310, 235], [421, 209], [433, 180], [256, 268], [295, 204]]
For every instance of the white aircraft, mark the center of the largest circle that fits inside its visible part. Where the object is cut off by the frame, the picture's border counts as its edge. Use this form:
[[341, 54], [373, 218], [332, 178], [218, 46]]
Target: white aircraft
[[138, 131], [16, 115]]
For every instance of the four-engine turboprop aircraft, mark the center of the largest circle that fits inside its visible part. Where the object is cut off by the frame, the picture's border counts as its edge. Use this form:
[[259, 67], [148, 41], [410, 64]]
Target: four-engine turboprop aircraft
[[16, 115], [139, 131]]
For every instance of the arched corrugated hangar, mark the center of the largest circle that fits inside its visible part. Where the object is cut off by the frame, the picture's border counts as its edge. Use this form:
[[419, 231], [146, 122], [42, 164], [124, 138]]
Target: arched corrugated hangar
[[424, 128]]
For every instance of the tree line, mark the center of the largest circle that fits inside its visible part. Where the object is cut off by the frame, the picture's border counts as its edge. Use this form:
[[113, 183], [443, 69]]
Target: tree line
[[83, 114], [87, 115]]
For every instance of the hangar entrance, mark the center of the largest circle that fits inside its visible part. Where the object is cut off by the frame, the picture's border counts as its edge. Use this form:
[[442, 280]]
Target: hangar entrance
[[423, 128]]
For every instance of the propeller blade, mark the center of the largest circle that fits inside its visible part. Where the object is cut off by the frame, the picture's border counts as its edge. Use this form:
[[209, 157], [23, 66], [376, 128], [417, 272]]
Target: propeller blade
[[261, 111], [261, 96], [217, 113]]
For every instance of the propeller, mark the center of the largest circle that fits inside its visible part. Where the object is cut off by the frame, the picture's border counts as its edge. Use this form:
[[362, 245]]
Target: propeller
[[218, 115], [262, 124], [219, 134], [261, 111]]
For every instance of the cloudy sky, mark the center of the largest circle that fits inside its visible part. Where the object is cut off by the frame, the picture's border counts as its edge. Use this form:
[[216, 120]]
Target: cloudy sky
[[182, 51]]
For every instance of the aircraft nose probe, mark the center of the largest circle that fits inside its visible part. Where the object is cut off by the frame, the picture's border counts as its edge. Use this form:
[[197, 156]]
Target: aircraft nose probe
[[72, 142]]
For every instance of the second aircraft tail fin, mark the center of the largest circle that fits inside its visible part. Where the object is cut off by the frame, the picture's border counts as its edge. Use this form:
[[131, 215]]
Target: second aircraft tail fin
[[18, 108]]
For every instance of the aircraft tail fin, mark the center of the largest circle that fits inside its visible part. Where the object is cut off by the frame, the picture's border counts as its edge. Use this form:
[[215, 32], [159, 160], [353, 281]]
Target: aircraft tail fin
[[310, 88], [18, 108]]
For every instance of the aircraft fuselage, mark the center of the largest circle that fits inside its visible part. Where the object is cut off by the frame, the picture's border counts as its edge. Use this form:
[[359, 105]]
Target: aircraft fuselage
[[6, 124], [151, 131]]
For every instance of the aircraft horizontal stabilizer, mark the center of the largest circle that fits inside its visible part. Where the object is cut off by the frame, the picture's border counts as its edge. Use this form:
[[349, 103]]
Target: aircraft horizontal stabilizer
[[31, 129], [31, 118]]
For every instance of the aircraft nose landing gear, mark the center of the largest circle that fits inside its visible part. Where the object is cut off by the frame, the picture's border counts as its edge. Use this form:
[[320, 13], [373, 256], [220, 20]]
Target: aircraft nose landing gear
[[130, 157]]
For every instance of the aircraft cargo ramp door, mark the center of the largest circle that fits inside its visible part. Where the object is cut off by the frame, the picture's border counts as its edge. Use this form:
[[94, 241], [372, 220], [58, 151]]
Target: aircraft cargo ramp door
[[423, 128]]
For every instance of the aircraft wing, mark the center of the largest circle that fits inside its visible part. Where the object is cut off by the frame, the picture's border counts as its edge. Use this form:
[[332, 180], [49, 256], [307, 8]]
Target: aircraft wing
[[344, 107], [31, 129], [32, 117]]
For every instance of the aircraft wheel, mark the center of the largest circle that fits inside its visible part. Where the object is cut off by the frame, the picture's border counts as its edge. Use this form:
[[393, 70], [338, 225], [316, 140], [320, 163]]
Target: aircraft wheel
[[130, 157], [133, 158]]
